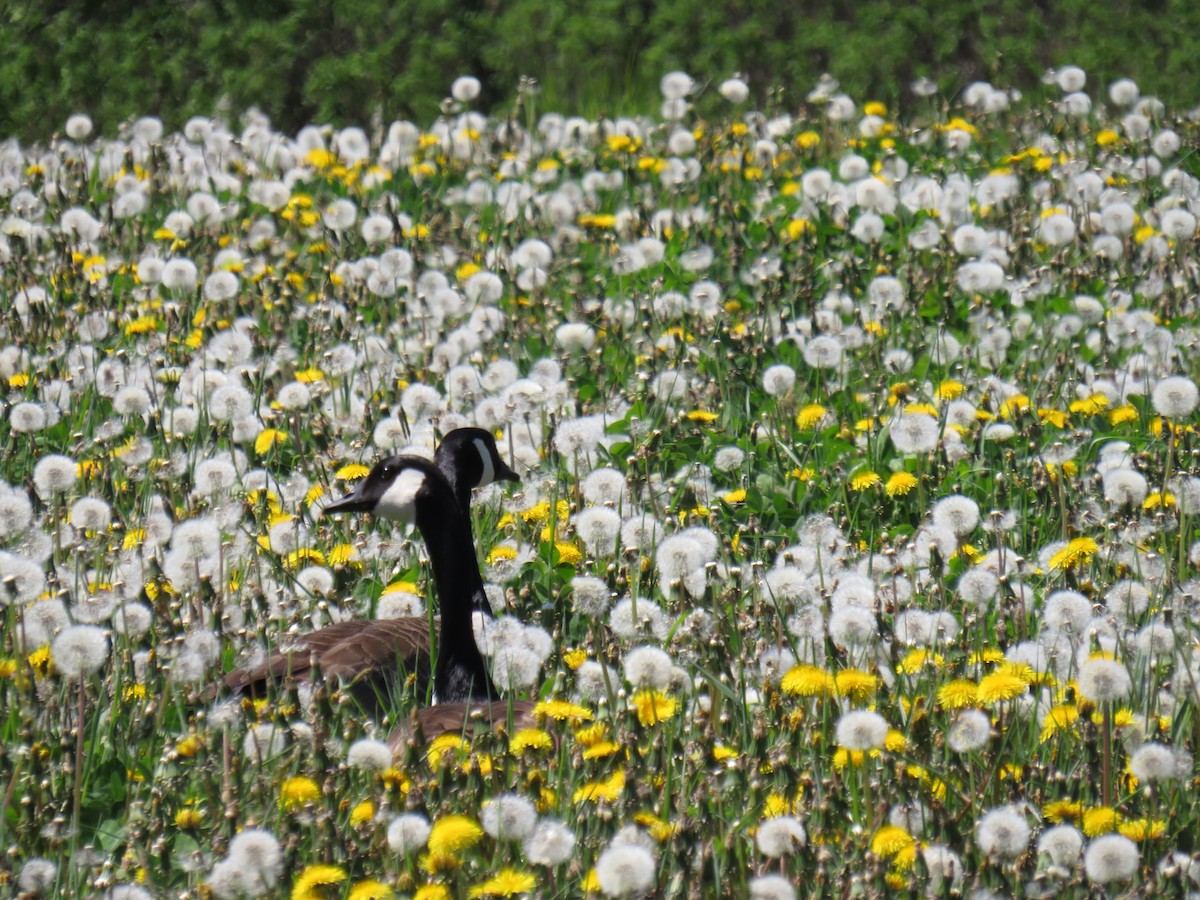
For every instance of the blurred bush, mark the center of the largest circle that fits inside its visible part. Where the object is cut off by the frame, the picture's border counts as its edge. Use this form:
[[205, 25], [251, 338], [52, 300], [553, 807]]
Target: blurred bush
[[364, 61]]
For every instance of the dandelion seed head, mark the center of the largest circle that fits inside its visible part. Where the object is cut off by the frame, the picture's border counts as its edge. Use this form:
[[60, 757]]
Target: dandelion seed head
[[599, 527], [1175, 397], [80, 650], [781, 836], [1003, 833], [957, 513], [408, 833], [853, 626], [970, 731], [28, 418], [916, 433], [53, 474], [133, 620], [1104, 680], [778, 380], [861, 729], [771, 887], [508, 817], [648, 667], [369, 755], [1154, 762], [1111, 857], [37, 876], [551, 843]]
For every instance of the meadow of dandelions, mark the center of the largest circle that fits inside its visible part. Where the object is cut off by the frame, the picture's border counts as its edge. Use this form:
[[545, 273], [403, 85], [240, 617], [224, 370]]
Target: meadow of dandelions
[[856, 548]]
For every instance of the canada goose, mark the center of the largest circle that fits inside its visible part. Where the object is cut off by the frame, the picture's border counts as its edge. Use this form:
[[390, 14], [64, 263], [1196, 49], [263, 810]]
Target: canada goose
[[409, 488], [353, 650]]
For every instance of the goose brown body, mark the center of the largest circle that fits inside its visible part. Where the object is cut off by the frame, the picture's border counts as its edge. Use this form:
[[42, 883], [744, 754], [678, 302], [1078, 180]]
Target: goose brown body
[[467, 718]]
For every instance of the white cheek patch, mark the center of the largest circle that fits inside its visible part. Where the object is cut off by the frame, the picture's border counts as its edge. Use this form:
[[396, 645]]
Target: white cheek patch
[[399, 501], [485, 457]]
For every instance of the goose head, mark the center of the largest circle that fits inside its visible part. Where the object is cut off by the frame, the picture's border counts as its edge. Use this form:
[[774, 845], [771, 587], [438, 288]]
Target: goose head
[[470, 459], [398, 488]]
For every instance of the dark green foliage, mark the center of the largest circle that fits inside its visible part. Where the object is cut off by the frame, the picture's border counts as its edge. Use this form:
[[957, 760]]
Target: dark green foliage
[[364, 61]]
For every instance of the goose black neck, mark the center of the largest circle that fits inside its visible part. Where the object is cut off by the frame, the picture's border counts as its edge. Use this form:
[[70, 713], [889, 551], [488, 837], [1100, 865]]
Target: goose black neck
[[461, 673], [462, 498]]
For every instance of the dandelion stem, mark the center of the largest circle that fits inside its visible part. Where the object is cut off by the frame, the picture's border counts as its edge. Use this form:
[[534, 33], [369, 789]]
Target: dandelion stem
[[1106, 758], [77, 793]]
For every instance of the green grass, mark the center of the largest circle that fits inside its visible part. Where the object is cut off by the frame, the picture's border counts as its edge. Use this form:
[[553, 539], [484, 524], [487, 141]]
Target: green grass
[[128, 775]]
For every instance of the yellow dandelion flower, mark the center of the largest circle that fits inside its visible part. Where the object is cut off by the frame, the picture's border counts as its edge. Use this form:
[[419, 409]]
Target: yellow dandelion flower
[[1000, 686], [190, 746], [562, 710], [842, 758], [776, 805], [986, 656], [454, 834], [312, 879], [573, 659], [865, 480], [141, 325], [807, 681], [1077, 553], [568, 553], [1099, 820], [1014, 405], [796, 228], [134, 538], [855, 684], [601, 750], [501, 552], [268, 438], [297, 792], [654, 706], [442, 745], [607, 790], [917, 659], [1089, 406], [597, 220], [950, 390], [363, 812], [530, 739], [1156, 499], [1122, 414], [590, 883], [659, 829], [1143, 829], [1055, 417], [738, 496], [505, 883], [395, 779], [957, 694], [591, 734], [371, 890], [432, 892], [900, 484], [810, 416], [703, 416], [895, 741], [890, 840], [720, 753], [9, 668], [352, 472], [187, 819]]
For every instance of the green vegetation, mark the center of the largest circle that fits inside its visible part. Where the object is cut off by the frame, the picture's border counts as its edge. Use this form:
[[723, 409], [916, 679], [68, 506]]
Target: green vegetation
[[303, 61]]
